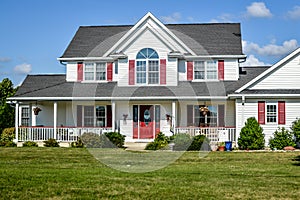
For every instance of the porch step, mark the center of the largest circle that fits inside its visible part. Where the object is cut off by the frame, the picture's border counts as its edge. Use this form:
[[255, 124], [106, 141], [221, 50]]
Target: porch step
[[135, 146]]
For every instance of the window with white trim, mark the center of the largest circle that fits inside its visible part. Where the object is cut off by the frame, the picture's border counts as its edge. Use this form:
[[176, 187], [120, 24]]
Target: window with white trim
[[94, 71], [206, 70], [271, 113], [147, 67], [94, 116], [207, 118], [25, 116]]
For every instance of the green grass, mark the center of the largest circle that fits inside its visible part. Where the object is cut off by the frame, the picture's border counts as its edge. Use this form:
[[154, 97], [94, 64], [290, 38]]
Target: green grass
[[68, 173]]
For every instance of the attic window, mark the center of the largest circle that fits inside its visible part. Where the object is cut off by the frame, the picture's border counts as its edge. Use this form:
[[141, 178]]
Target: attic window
[[147, 53]]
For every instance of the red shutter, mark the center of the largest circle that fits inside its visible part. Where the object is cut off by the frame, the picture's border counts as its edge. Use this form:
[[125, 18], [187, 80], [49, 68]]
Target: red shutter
[[190, 114], [79, 71], [79, 116], [221, 115], [221, 69], [163, 71], [190, 70], [109, 71], [281, 112], [108, 116], [261, 112], [131, 72]]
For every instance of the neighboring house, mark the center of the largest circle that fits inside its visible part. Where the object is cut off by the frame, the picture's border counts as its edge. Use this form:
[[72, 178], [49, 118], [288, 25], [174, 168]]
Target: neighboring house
[[151, 77]]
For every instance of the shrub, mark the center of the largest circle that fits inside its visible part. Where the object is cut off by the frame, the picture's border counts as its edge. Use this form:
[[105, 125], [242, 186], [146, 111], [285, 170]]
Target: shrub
[[8, 134], [7, 144], [282, 138], [251, 135], [91, 140], [198, 142], [116, 138], [182, 142], [77, 144], [51, 143], [30, 144], [296, 129], [161, 141]]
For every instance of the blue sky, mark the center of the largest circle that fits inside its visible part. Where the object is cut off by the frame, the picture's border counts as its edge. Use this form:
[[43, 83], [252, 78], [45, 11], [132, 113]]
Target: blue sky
[[34, 33]]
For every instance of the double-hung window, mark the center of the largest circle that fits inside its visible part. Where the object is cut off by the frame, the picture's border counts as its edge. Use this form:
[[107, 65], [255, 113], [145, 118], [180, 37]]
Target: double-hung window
[[271, 113], [94, 116], [95, 71], [147, 67], [25, 116], [206, 70]]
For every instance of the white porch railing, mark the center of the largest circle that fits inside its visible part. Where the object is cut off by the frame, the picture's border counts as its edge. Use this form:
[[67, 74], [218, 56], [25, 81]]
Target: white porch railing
[[214, 134], [63, 134]]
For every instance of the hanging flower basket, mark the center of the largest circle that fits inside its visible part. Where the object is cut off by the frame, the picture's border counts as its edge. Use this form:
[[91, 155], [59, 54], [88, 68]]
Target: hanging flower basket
[[204, 110], [36, 110]]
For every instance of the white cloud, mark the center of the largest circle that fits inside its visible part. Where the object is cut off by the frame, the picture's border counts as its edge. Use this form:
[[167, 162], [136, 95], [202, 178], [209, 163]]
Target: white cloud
[[294, 13], [253, 61], [258, 9], [23, 68], [270, 49], [4, 59], [173, 18], [227, 18]]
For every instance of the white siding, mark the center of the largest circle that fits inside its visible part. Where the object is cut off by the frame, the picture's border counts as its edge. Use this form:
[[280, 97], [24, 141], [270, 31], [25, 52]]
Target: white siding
[[286, 77], [250, 109], [71, 72], [231, 70]]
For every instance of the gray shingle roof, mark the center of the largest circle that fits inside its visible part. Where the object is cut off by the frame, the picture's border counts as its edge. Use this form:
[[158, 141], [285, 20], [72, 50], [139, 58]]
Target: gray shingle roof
[[203, 39], [56, 86]]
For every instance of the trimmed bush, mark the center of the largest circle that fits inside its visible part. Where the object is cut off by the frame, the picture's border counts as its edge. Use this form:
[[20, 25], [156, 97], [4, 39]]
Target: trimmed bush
[[7, 144], [30, 144], [116, 138], [296, 129], [91, 140], [251, 135], [51, 143], [198, 142], [8, 134], [182, 142], [282, 138], [160, 142]]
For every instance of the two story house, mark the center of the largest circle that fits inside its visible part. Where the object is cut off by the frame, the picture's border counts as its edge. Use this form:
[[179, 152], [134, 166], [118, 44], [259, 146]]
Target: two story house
[[148, 78]]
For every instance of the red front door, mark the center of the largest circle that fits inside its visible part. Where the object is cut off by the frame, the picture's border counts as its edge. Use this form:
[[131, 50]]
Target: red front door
[[146, 121]]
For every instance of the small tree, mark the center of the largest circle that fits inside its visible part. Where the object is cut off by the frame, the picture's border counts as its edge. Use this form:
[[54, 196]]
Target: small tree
[[282, 138], [251, 136], [296, 129]]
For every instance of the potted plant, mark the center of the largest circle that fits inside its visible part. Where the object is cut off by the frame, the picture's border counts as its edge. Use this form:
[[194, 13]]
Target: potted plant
[[221, 146]]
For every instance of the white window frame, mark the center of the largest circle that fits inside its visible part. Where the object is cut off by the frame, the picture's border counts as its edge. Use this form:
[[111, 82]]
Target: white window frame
[[94, 71], [270, 114], [206, 70], [94, 117], [211, 123], [23, 117]]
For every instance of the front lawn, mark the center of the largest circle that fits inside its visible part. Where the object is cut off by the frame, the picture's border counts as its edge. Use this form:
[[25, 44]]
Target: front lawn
[[68, 173]]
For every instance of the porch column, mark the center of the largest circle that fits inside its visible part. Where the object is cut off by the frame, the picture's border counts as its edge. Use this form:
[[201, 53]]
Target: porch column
[[113, 115], [55, 119], [174, 115], [17, 121]]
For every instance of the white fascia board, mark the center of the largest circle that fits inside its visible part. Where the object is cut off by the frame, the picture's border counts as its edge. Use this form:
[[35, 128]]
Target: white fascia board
[[87, 59], [115, 98], [191, 57], [274, 67], [134, 29], [264, 95]]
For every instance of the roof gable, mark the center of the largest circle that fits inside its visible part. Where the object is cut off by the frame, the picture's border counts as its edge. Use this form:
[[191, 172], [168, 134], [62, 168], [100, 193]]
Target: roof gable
[[152, 24], [285, 74]]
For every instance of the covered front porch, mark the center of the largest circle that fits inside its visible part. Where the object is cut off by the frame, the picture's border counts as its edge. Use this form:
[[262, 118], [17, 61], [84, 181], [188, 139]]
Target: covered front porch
[[139, 120]]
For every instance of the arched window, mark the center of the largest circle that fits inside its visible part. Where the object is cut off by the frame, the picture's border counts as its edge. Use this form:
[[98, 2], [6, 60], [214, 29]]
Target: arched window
[[147, 67]]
